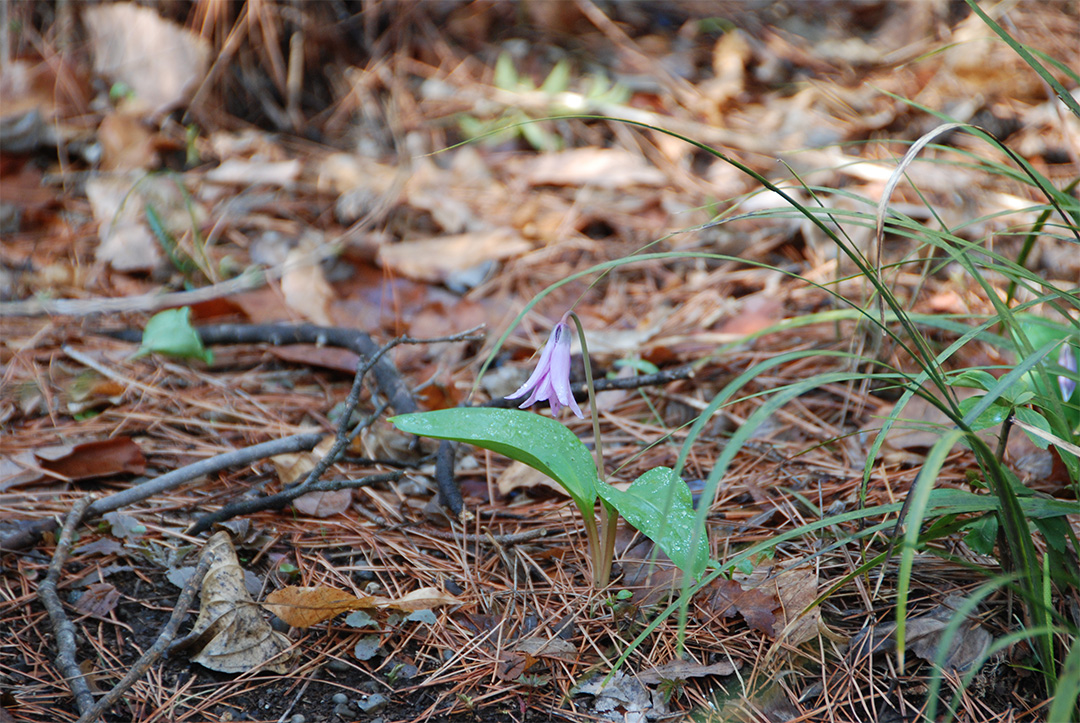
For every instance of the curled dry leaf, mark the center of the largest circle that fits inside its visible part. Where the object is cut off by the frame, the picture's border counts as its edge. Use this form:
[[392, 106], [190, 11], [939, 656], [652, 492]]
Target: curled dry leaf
[[231, 632]]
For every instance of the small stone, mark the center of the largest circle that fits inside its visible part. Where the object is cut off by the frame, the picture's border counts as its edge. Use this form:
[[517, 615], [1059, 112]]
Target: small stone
[[340, 698], [374, 703], [344, 711], [298, 718], [338, 666]]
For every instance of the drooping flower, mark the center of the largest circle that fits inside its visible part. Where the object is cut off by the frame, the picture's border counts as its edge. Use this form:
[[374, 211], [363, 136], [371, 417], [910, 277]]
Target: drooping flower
[[1067, 359], [550, 380]]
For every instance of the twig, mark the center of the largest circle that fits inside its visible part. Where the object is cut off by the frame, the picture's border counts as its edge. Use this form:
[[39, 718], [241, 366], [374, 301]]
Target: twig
[[296, 443], [344, 438], [449, 492], [165, 637], [63, 629], [145, 302], [279, 500]]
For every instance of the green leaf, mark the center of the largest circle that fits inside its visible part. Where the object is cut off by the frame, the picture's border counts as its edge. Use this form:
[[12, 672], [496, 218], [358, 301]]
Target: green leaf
[[540, 442], [975, 379], [506, 76], [659, 504], [982, 534], [1030, 416], [171, 333], [640, 365], [993, 415], [558, 79]]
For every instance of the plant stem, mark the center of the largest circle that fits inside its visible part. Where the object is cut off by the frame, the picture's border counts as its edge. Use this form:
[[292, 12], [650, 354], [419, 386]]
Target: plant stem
[[1003, 440], [603, 552]]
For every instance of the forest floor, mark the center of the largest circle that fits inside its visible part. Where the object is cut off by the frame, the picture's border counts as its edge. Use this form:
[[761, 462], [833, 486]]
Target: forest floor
[[277, 163]]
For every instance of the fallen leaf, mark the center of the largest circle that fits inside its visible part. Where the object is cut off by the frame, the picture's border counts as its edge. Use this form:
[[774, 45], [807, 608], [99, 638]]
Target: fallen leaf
[[126, 144], [683, 669], [292, 466], [103, 458], [244, 172], [601, 167], [161, 62], [756, 606], [923, 635], [230, 630], [324, 504], [521, 476], [435, 260], [306, 606], [306, 290], [119, 203], [547, 648], [124, 526], [99, 599], [423, 599], [795, 590], [328, 357], [302, 607]]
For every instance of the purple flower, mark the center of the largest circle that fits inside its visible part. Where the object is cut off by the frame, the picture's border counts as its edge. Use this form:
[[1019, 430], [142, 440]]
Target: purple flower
[[551, 379], [1067, 359]]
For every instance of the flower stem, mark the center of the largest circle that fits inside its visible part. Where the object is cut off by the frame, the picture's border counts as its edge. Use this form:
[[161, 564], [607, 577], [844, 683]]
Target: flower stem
[[604, 551]]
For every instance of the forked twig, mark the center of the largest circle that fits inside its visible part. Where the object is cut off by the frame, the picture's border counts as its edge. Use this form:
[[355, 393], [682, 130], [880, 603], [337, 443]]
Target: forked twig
[[63, 628]]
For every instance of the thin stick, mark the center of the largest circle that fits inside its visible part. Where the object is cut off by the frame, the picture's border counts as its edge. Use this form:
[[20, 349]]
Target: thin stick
[[279, 500], [164, 639], [237, 458], [63, 628]]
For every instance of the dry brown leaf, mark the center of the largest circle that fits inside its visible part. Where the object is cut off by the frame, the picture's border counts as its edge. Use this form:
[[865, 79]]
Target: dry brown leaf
[[423, 599], [324, 504], [245, 172], [126, 144], [602, 167], [160, 61], [436, 259], [291, 466], [99, 599], [923, 635], [682, 669], [119, 204], [306, 289], [796, 590], [74, 462], [521, 476], [303, 607], [230, 630], [341, 360], [756, 606]]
